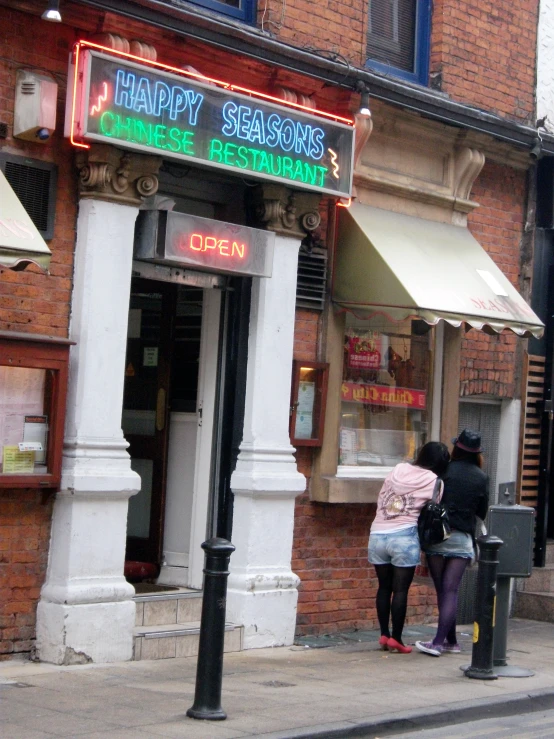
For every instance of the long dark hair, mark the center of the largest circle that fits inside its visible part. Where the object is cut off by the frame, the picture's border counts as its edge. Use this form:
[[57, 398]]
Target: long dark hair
[[433, 456], [460, 455]]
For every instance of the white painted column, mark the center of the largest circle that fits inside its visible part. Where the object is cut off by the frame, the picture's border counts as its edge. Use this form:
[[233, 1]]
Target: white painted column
[[262, 590], [86, 612]]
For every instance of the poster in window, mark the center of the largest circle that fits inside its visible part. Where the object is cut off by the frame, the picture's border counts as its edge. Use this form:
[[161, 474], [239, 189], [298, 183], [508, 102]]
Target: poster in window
[[364, 353]]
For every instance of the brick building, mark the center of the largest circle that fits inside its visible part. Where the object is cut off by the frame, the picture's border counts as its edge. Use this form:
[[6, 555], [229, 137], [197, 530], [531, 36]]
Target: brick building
[[179, 370]]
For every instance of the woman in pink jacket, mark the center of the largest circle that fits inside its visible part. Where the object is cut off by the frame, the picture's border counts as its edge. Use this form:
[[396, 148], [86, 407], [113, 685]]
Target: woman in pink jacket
[[393, 541]]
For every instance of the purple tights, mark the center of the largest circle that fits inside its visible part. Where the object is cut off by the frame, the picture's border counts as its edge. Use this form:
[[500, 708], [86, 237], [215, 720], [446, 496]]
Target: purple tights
[[447, 573]]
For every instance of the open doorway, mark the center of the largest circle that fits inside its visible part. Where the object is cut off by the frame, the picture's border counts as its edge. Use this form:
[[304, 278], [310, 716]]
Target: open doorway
[[168, 405]]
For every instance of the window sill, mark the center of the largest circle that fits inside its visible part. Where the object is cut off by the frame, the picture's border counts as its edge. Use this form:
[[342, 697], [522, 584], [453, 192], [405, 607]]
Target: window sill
[[375, 472], [338, 489]]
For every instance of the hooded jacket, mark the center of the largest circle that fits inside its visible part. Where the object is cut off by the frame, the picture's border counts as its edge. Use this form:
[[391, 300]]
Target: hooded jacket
[[405, 491]]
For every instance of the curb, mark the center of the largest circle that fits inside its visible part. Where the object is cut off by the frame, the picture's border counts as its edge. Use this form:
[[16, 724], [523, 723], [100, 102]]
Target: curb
[[426, 718]]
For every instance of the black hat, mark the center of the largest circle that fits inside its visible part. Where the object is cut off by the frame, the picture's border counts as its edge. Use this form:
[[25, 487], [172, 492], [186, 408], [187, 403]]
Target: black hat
[[469, 441]]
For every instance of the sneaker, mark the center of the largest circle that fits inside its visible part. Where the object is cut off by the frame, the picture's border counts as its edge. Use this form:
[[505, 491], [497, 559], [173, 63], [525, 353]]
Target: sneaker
[[451, 648], [429, 648]]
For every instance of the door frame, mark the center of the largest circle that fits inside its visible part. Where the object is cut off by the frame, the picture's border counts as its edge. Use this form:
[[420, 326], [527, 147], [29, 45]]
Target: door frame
[[206, 412], [151, 549]]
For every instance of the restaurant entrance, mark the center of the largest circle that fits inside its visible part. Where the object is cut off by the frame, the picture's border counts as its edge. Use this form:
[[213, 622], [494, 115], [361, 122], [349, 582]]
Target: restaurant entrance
[[169, 399]]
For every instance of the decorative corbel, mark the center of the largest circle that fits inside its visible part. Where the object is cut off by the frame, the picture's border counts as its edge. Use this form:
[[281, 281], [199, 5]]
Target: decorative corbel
[[285, 211], [468, 163], [108, 173]]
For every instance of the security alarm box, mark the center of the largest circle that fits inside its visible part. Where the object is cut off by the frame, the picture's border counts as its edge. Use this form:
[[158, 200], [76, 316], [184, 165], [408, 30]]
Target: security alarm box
[[36, 96]]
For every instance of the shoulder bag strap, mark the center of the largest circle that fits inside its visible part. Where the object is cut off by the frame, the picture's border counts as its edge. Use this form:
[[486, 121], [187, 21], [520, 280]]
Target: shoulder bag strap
[[437, 490]]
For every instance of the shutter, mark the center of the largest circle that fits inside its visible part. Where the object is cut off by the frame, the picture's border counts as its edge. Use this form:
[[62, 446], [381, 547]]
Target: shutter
[[34, 183], [311, 278], [530, 434], [391, 33]]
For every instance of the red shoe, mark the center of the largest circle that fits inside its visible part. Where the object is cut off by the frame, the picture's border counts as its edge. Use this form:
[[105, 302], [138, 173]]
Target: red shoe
[[395, 646], [384, 643]]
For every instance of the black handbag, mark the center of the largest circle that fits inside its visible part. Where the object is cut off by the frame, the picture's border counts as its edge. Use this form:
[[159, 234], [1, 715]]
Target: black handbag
[[432, 525]]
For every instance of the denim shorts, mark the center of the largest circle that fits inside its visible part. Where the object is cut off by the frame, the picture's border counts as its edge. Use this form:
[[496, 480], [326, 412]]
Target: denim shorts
[[458, 544], [400, 548]]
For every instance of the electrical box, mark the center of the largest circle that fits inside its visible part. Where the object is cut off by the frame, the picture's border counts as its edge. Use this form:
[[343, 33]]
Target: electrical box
[[514, 524], [36, 97]]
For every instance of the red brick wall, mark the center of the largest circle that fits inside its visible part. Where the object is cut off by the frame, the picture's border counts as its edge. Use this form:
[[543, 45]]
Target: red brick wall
[[323, 25], [33, 302], [24, 537], [488, 362], [485, 54]]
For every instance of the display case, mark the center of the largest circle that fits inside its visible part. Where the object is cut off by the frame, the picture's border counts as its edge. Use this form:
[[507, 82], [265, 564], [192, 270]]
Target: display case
[[309, 394], [33, 388]]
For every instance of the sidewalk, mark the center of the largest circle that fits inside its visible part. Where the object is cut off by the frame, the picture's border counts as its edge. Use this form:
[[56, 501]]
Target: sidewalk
[[348, 690]]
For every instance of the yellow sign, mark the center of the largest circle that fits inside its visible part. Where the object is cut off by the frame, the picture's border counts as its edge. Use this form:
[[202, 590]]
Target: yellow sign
[[475, 632], [15, 462]]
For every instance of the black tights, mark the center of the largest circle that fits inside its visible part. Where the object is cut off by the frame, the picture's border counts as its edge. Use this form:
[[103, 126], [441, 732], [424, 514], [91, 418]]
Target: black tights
[[447, 573], [392, 597]]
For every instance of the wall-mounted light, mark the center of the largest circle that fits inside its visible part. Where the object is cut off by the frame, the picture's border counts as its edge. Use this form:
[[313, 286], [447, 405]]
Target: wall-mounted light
[[363, 89], [52, 12]]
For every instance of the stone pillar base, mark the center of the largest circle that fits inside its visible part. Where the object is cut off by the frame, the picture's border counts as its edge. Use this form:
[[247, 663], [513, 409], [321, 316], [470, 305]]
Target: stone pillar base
[[267, 606], [78, 634]]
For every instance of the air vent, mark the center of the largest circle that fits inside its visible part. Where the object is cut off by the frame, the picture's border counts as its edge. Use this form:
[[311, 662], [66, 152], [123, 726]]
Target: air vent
[[312, 278], [34, 183]]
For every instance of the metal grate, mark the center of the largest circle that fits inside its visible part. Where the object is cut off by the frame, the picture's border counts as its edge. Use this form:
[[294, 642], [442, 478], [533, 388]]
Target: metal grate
[[485, 418], [34, 183], [391, 32], [312, 278]]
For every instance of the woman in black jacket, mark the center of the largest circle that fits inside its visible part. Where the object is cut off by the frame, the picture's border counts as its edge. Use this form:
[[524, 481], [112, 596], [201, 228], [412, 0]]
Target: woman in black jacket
[[465, 497]]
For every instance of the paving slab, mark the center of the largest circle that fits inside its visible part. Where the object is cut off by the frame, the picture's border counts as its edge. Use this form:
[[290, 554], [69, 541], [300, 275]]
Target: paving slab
[[346, 688]]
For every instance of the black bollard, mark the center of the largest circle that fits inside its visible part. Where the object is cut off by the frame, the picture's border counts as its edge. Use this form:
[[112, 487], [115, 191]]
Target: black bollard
[[209, 668], [481, 666]]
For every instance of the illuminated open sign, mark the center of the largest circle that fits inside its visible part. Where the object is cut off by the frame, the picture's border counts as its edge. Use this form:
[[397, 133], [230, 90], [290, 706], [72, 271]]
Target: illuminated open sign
[[158, 109], [179, 239]]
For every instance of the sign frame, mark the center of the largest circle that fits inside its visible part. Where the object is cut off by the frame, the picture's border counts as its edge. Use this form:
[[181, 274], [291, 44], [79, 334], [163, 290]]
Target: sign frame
[[161, 237], [78, 123]]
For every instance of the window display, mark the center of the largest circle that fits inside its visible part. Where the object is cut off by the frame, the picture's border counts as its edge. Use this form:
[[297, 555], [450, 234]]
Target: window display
[[23, 421], [385, 390], [33, 382], [309, 393]]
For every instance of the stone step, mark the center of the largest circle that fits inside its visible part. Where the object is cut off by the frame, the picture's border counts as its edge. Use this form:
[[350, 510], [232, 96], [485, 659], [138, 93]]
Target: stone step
[[179, 640], [157, 609], [541, 580], [549, 552], [536, 606]]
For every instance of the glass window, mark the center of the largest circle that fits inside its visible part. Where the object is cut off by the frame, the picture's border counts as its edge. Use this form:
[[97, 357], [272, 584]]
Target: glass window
[[385, 403], [25, 395], [244, 10], [398, 38]]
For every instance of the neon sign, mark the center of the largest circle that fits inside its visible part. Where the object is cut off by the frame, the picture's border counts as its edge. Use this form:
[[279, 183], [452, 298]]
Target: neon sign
[[225, 247], [157, 109], [180, 239]]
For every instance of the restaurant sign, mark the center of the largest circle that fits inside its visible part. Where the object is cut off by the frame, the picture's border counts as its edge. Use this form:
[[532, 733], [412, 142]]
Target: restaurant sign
[[178, 239], [149, 107], [387, 395]]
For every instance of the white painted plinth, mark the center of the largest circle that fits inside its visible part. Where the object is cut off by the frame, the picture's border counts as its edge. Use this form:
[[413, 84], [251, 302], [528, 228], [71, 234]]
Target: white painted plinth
[[98, 632], [86, 611], [262, 589]]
